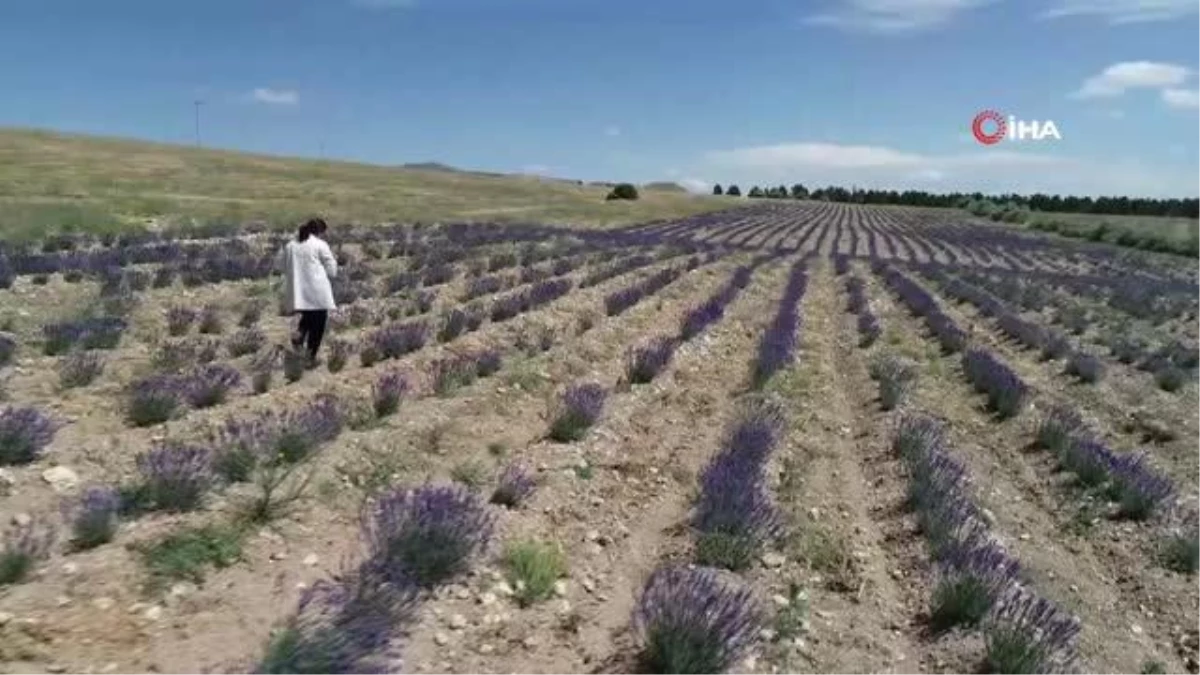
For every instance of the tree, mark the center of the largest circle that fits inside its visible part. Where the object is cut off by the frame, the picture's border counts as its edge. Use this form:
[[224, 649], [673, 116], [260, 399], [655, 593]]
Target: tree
[[734, 191], [755, 192], [799, 191], [623, 191], [717, 190]]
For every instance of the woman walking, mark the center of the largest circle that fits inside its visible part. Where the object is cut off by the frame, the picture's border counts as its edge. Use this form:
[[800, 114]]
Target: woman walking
[[308, 264]]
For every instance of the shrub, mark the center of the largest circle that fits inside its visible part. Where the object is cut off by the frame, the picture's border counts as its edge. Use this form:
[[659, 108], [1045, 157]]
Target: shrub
[[185, 554], [209, 385], [1138, 488], [469, 473], [23, 547], [8, 349], [294, 365], [252, 312], [1005, 390], [895, 377], [24, 433], [533, 568], [174, 477], [625, 191], [1170, 378], [513, 487], [579, 409], [339, 355], [453, 325], [94, 517], [180, 320], [643, 364], [154, 400], [427, 534], [688, 620], [210, 322], [262, 370], [246, 341], [79, 369], [1056, 430], [387, 391], [1085, 366], [1181, 550], [1055, 346], [1028, 634], [453, 372], [969, 583]]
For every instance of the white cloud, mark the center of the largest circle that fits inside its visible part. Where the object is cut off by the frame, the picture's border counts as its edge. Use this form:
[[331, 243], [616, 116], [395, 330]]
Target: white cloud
[[1122, 11], [536, 169], [893, 16], [1181, 98], [984, 169], [612, 131], [275, 96], [1120, 77]]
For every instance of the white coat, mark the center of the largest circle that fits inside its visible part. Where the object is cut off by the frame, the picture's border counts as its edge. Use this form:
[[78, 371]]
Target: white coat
[[307, 267]]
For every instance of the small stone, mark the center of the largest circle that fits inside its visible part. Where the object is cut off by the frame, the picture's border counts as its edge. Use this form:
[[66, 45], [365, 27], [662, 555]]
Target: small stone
[[592, 535], [1024, 536], [182, 589], [441, 639], [61, 478], [458, 622], [487, 599], [530, 642], [22, 520], [311, 560], [7, 479], [773, 560], [588, 585], [103, 603], [988, 516], [5, 618], [560, 588], [486, 648], [897, 573], [780, 600], [56, 668], [1074, 588], [1137, 629], [70, 569], [154, 613], [110, 667], [767, 634], [279, 555], [597, 501], [814, 513], [62, 601], [503, 590]]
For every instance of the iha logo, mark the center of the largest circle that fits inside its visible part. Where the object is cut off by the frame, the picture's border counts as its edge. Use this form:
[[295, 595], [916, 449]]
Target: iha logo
[[990, 127]]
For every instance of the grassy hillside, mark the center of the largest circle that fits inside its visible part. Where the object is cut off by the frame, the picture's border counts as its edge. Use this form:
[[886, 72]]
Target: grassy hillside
[[53, 182]]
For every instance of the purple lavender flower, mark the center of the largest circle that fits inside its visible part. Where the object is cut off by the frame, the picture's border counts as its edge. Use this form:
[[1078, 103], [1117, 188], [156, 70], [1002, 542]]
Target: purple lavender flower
[[1005, 390], [155, 399], [1089, 459], [1139, 489], [24, 433], [387, 392], [79, 369], [246, 341], [970, 580], [487, 362], [396, 340], [428, 534], [514, 486], [692, 621], [918, 435], [1057, 429], [180, 320], [94, 516], [23, 546], [209, 385], [579, 409], [1028, 634], [452, 372], [1086, 367], [643, 364], [8, 349], [210, 321], [453, 325], [175, 476]]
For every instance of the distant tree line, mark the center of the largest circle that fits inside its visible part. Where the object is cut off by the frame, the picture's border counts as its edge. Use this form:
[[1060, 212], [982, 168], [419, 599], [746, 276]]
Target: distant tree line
[[1115, 206]]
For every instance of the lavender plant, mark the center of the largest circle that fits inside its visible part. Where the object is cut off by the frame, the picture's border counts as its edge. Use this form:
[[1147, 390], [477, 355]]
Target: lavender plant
[[79, 369], [427, 534], [579, 409], [689, 620], [514, 486], [174, 477], [23, 546], [210, 322], [94, 516], [246, 341], [180, 320], [895, 376], [1086, 367], [154, 399], [209, 385], [387, 391], [1028, 634], [1057, 429], [970, 580], [643, 364], [339, 354], [24, 434]]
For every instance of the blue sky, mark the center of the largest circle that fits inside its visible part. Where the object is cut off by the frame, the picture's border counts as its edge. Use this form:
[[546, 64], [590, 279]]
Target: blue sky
[[877, 93]]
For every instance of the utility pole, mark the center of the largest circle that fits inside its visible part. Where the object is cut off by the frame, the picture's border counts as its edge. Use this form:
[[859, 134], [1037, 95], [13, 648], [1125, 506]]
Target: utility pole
[[198, 103]]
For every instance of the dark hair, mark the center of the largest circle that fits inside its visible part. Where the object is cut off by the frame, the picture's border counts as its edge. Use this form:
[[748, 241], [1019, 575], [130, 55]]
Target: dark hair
[[314, 226]]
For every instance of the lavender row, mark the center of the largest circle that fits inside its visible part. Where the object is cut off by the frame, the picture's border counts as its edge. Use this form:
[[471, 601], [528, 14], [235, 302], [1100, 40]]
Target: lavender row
[[920, 303], [618, 301], [856, 303], [1127, 478], [978, 581], [777, 347]]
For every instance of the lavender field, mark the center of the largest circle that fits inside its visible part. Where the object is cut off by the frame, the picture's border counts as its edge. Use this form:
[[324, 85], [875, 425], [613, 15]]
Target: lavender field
[[787, 437]]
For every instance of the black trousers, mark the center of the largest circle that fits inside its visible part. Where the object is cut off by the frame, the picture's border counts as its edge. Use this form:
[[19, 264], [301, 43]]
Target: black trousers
[[312, 329]]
